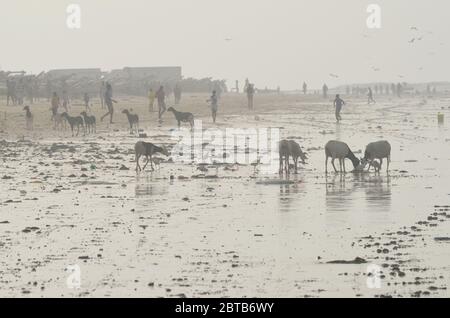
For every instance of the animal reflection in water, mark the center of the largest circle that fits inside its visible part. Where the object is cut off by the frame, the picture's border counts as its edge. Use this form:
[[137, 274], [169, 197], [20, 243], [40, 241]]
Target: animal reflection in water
[[147, 186], [289, 195], [342, 191]]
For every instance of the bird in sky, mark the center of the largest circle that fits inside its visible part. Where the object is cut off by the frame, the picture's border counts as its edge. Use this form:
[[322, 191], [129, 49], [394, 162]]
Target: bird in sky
[[334, 75]]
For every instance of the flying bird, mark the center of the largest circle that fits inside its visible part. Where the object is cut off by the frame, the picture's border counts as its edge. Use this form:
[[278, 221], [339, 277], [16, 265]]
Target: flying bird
[[228, 39], [334, 75], [412, 40], [414, 28]]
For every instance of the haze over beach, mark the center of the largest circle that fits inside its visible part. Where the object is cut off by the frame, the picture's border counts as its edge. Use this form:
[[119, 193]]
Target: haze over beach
[[248, 149], [275, 43]]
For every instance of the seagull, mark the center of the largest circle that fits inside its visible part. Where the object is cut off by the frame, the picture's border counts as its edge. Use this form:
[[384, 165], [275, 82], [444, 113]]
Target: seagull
[[414, 28], [375, 69], [412, 40], [228, 39], [334, 75]]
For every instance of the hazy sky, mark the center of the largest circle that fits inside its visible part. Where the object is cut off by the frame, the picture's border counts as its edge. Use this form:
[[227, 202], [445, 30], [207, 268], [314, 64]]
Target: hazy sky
[[274, 42]]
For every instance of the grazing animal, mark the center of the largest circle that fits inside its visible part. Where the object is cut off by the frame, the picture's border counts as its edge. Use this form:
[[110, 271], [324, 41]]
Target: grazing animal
[[375, 164], [133, 120], [378, 150], [289, 148], [74, 122], [28, 118], [157, 162], [90, 122], [182, 117], [339, 150], [147, 149]]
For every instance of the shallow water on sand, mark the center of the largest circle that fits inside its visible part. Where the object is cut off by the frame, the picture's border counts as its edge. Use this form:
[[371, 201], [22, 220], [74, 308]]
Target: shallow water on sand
[[234, 235]]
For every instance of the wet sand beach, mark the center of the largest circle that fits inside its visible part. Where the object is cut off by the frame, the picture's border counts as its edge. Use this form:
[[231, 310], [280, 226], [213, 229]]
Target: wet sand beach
[[227, 230]]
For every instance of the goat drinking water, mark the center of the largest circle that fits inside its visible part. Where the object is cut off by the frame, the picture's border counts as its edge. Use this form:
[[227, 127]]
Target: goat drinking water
[[148, 150], [378, 150], [289, 148], [339, 150]]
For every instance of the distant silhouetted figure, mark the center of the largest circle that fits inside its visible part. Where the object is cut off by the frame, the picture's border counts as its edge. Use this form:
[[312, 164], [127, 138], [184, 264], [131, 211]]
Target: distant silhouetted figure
[[86, 102], [325, 90], [151, 99], [305, 88], [399, 90], [109, 103], [370, 96], [177, 93], [55, 103], [102, 93], [65, 98], [338, 103], [250, 92], [393, 89], [161, 97], [214, 105]]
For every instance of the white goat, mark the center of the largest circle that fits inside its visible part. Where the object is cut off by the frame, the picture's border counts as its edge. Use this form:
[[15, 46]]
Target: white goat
[[339, 150], [377, 150]]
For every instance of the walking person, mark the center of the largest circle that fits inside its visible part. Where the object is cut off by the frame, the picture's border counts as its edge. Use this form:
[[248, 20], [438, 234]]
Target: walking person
[[325, 90], [250, 93], [102, 94], [109, 103], [151, 99], [66, 101], [370, 96], [55, 103], [338, 103], [161, 97], [86, 102], [214, 105]]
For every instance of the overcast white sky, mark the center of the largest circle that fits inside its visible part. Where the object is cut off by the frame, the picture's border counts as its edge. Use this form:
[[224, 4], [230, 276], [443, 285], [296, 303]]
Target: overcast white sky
[[274, 42]]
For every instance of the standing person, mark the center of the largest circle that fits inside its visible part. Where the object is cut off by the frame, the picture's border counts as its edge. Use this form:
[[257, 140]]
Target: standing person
[[55, 103], [247, 83], [250, 93], [370, 96], [325, 90], [102, 93], [66, 101], [109, 103], [161, 97], [399, 90], [151, 99], [214, 105], [338, 103], [86, 102], [305, 88]]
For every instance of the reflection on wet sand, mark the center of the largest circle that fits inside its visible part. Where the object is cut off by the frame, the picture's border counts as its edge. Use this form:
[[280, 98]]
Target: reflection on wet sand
[[339, 193], [289, 194], [147, 187], [344, 189]]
